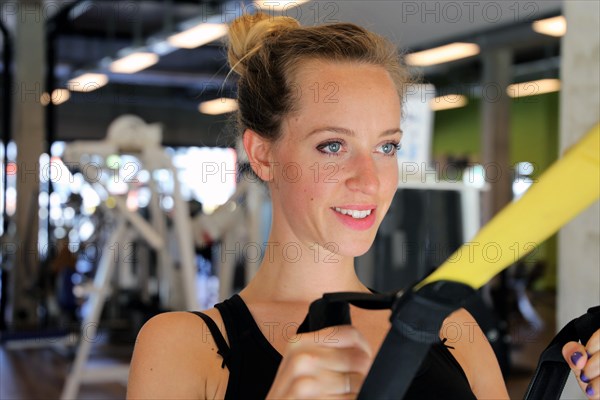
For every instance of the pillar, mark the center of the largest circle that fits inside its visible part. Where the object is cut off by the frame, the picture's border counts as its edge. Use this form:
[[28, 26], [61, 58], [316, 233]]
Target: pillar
[[579, 241], [495, 130], [29, 137]]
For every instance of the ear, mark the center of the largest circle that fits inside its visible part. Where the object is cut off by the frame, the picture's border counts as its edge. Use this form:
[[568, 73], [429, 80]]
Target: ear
[[258, 150]]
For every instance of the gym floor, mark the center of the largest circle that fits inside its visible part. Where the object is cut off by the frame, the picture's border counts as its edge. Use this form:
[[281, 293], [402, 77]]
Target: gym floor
[[40, 373]]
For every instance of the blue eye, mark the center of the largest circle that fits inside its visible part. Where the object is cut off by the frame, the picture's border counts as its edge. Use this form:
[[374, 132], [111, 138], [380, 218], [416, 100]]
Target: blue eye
[[390, 148], [334, 147], [387, 148], [330, 147]]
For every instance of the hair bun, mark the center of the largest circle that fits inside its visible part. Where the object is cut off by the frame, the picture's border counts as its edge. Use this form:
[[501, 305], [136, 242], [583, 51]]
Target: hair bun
[[246, 35]]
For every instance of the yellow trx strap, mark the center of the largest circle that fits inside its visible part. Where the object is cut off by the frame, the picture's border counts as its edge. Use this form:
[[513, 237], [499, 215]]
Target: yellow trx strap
[[568, 187]]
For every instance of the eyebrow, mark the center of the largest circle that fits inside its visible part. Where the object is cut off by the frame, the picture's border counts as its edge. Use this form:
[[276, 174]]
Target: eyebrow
[[350, 132]]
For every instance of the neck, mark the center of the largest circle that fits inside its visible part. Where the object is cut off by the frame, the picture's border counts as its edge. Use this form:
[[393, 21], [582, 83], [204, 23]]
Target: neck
[[301, 273]]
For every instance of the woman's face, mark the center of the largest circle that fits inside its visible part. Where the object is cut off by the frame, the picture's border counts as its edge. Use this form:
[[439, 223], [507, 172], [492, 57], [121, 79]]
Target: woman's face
[[335, 164]]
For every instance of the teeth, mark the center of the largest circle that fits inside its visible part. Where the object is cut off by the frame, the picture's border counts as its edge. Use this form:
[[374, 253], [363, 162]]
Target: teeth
[[354, 213]]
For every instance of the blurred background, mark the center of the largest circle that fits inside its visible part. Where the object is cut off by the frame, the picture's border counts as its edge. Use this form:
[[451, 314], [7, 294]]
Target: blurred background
[[124, 192]]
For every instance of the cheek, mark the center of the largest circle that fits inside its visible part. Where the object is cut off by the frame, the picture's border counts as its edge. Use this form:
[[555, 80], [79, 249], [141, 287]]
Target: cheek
[[389, 184], [298, 189]]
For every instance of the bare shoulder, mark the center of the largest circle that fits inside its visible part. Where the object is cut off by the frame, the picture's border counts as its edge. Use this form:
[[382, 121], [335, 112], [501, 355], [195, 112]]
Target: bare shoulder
[[174, 357], [474, 353]]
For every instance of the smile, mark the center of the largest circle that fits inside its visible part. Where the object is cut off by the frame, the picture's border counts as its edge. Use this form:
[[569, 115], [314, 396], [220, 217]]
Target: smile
[[357, 217], [357, 214]]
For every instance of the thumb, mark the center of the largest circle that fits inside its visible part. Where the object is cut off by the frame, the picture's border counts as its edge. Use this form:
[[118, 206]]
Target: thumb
[[575, 355]]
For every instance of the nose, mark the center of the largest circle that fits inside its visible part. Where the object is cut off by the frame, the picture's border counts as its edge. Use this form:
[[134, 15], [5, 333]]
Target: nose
[[363, 176]]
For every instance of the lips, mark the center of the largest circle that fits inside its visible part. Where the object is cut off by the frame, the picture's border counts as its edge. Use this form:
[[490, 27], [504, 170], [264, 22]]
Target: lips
[[357, 217]]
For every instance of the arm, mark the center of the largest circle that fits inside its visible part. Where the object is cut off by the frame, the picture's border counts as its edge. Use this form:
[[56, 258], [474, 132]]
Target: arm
[[475, 355], [167, 359]]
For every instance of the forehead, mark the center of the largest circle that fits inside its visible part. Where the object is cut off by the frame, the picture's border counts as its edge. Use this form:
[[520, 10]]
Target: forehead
[[346, 75], [347, 94]]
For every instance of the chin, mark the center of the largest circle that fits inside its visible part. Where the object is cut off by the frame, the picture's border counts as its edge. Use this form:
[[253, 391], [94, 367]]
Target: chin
[[354, 249]]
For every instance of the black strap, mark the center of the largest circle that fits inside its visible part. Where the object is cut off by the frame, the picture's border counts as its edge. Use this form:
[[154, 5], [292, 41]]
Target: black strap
[[416, 318], [223, 348], [552, 370], [334, 308]]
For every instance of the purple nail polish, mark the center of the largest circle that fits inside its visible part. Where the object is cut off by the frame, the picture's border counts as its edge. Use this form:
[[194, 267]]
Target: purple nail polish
[[584, 378], [589, 390], [575, 357]]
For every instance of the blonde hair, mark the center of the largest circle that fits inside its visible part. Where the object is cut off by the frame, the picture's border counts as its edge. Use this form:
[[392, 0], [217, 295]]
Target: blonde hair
[[265, 52]]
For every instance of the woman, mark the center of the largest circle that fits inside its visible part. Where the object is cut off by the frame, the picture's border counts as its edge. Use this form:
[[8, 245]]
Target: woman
[[319, 111]]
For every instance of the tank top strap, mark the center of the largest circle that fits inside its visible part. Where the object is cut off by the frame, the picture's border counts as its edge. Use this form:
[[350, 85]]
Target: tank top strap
[[236, 326], [239, 310], [222, 348], [232, 320]]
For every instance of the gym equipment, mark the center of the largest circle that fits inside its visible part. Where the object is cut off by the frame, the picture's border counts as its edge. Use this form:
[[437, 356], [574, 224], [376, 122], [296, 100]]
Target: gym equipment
[[236, 226], [130, 135]]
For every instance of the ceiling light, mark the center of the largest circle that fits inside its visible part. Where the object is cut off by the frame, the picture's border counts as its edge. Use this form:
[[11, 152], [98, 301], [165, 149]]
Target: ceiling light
[[442, 54], [279, 5], [218, 106], [448, 102], [87, 82], [59, 96], [133, 63], [198, 35], [555, 26], [533, 88]]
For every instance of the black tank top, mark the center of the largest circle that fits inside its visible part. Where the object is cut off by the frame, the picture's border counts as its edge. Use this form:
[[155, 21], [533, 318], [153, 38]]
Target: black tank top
[[252, 361]]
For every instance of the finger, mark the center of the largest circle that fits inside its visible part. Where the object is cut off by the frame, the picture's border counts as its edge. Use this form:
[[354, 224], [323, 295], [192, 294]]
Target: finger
[[339, 383], [592, 390], [340, 336], [355, 383], [593, 345], [322, 386], [308, 353], [306, 360], [575, 355], [591, 370], [353, 359], [304, 387], [312, 360]]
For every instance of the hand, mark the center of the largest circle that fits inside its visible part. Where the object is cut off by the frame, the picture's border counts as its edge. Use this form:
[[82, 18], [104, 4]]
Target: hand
[[328, 364], [585, 363]]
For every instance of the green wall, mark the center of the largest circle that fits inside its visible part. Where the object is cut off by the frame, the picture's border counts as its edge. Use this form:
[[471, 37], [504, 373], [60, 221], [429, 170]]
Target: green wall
[[533, 138], [534, 131]]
